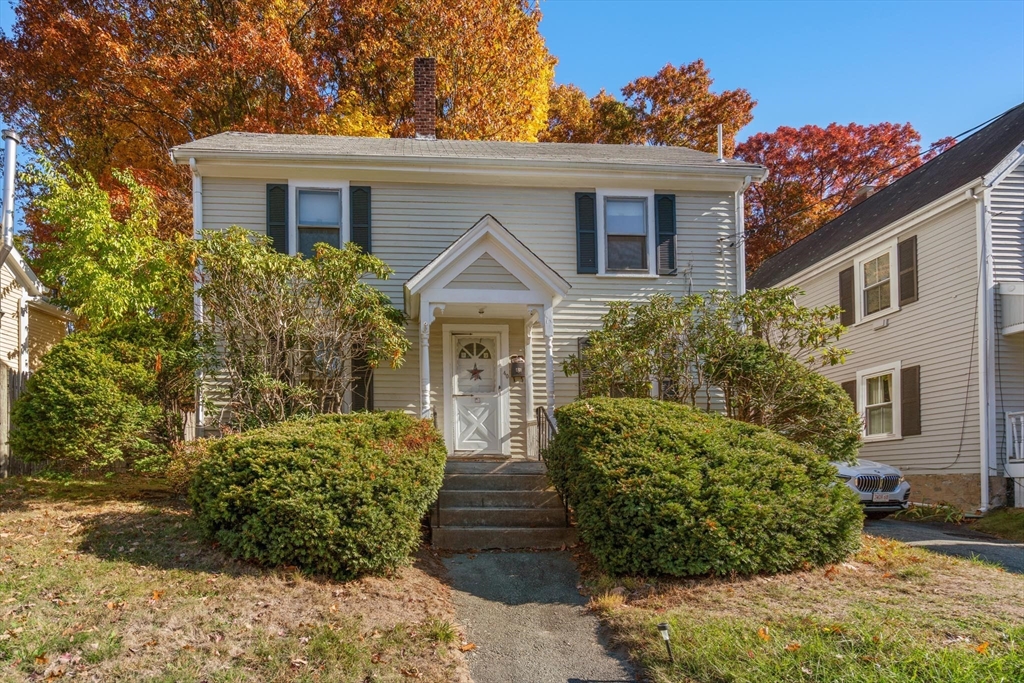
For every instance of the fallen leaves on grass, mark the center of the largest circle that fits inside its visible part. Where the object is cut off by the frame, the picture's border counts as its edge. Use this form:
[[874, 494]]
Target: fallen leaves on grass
[[762, 633], [793, 647], [983, 648], [467, 647]]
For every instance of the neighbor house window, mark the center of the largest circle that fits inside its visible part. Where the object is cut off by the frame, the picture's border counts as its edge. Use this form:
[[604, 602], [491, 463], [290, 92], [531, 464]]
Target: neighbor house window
[[878, 399], [625, 229], [318, 218], [876, 284], [876, 291]]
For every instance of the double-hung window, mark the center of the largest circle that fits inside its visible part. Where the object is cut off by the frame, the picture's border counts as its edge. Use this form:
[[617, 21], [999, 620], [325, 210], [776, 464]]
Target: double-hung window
[[318, 218], [876, 291], [878, 392], [626, 234]]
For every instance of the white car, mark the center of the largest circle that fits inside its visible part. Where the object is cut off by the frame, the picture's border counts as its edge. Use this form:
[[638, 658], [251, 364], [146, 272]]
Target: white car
[[882, 489]]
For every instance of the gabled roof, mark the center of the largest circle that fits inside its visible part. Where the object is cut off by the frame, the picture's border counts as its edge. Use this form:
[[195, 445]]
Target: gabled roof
[[965, 162], [537, 281], [555, 154]]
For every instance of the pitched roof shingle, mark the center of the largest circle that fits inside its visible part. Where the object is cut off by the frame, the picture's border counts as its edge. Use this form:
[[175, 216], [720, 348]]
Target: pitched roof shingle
[[548, 153]]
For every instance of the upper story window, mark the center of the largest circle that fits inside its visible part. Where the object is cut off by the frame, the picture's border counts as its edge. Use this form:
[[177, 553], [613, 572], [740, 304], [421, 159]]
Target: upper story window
[[318, 218], [626, 234], [876, 290]]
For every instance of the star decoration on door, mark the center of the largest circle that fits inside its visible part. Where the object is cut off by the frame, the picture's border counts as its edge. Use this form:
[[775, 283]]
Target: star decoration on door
[[475, 373]]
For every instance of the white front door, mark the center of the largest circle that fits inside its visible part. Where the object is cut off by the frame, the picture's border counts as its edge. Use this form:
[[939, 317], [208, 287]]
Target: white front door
[[476, 394]]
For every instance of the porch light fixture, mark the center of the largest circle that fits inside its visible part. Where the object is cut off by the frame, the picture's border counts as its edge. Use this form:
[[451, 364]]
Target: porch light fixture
[[663, 629]]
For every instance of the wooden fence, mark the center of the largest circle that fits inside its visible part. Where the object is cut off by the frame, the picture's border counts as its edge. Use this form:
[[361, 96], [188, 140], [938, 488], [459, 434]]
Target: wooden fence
[[12, 383]]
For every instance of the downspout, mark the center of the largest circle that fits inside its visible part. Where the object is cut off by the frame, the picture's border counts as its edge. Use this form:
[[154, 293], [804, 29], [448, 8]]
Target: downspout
[[741, 240], [197, 301], [986, 344]]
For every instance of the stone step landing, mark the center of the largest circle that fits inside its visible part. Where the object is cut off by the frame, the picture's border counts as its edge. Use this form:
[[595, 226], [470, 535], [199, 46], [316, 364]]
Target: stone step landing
[[498, 505]]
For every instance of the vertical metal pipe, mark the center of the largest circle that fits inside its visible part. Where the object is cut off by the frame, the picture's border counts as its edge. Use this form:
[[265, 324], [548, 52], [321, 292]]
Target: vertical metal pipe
[[11, 140]]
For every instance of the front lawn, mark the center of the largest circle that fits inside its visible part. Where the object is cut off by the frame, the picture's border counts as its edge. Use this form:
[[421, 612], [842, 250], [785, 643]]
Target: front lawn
[[109, 581], [890, 613], [1005, 523]]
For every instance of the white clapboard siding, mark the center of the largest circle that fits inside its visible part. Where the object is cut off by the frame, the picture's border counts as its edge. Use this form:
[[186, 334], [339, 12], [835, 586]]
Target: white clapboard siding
[[1007, 207], [235, 201], [413, 223], [486, 273], [10, 292], [937, 332]]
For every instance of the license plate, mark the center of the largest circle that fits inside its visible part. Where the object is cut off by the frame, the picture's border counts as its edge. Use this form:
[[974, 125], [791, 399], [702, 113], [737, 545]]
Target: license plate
[[879, 497]]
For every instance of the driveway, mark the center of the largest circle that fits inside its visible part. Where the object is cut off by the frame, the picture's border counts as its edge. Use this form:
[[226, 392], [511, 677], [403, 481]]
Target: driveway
[[529, 622], [965, 543]]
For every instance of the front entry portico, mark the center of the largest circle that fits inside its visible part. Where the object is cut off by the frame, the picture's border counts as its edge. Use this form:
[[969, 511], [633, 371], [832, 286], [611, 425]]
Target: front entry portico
[[492, 299]]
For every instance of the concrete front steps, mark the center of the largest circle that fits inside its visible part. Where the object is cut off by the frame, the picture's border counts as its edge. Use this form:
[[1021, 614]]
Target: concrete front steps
[[498, 505]]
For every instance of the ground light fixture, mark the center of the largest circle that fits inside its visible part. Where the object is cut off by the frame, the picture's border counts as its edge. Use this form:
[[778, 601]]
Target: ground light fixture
[[663, 628]]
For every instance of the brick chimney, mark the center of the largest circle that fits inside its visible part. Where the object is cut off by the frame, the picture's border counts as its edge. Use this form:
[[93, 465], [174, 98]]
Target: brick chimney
[[862, 193], [424, 71]]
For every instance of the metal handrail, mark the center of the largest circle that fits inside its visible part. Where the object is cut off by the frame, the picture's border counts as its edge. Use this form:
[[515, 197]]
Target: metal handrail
[[546, 429]]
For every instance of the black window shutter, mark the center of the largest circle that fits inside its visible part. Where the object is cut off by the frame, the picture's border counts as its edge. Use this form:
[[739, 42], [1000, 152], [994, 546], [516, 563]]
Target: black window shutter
[[846, 297], [910, 400], [586, 232], [851, 390], [665, 228], [277, 216], [362, 384], [581, 346], [906, 252], [360, 212]]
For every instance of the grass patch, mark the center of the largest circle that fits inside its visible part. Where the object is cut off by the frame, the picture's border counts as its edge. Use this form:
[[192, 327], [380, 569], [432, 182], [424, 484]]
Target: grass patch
[[108, 580], [890, 613], [1005, 523]]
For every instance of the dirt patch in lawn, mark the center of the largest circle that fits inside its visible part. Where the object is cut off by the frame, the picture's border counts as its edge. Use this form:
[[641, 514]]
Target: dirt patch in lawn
[[110, 581], [892, 612]]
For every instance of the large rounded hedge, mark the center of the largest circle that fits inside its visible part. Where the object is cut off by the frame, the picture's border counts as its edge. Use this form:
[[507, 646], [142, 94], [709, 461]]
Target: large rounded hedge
[[339, 495], [662, 488]]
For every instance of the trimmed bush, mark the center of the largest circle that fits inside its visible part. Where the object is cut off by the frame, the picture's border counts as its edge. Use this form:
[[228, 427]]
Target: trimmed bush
[[662, 488], [87, 407], [338, 495]]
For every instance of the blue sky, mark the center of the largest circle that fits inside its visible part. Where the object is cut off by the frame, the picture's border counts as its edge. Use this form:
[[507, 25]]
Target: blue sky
[[942, 66]]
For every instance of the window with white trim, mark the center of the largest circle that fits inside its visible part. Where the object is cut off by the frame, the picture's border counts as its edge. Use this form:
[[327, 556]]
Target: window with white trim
[[878, 401], [877, 294], [625, 233], [318, 218]]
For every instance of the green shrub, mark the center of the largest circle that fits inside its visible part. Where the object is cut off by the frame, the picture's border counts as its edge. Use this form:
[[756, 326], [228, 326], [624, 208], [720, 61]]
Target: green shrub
[[339, 495], [182, 461], [662, 488], [772, 389], [87, 407]]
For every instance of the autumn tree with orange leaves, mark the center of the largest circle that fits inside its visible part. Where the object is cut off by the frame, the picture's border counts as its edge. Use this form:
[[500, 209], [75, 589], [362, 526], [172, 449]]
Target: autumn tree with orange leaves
[[814, 175], [102, 85], [673, 107]]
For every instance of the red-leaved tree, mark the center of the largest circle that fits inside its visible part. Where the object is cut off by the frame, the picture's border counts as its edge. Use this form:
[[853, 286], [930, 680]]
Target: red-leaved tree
[[815, 174]]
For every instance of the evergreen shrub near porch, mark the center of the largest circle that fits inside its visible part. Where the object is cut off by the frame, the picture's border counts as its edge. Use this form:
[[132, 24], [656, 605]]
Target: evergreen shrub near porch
[[337, 495], [663, 488]]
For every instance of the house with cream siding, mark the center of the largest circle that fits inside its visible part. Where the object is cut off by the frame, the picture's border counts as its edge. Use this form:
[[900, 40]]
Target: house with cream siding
[[929, 272], [504, 254]]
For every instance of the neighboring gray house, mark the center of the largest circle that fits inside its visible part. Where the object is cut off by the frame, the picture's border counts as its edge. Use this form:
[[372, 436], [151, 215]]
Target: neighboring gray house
[[930, 274], [500, 250]]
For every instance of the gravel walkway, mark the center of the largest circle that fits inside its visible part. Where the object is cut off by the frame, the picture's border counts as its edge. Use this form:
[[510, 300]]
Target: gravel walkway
[[964, 543], [528, 621]]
